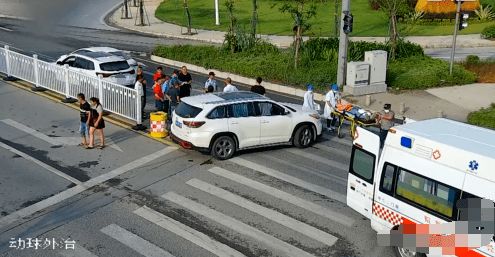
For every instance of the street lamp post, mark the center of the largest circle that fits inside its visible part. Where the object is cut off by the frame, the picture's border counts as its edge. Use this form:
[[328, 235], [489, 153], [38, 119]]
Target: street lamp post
[[217, 16]]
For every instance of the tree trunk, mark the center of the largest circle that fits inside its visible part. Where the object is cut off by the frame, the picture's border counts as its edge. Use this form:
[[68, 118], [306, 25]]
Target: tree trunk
[[336, 19], [254, 19], [393, 35], [298, 45], [188, 15]]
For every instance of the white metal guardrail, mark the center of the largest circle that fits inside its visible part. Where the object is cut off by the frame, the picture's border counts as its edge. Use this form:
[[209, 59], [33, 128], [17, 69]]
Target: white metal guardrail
[[115, 98]]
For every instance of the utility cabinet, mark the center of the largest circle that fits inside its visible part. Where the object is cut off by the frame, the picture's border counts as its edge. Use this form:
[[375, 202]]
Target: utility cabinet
[[369, 76], [358, 74]]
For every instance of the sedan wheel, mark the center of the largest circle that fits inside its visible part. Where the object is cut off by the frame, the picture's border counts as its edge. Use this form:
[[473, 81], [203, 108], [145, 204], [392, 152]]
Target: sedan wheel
[[223, 148]]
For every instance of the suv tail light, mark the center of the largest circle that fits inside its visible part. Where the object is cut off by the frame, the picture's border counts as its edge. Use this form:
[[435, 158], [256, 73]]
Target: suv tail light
[[105, 75], [194, 124]]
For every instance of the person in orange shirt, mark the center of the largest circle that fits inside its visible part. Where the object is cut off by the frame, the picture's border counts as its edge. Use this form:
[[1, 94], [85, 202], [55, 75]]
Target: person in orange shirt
[[158, 73], [158, 93]]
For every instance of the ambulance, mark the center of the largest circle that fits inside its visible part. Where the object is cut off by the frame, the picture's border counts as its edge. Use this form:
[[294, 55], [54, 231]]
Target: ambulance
[[423, 168]]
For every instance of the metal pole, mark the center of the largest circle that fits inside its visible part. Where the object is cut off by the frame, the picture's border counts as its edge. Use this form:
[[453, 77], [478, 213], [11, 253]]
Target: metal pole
[[141, 12], [217, 16], [454, 38], [343, 42]]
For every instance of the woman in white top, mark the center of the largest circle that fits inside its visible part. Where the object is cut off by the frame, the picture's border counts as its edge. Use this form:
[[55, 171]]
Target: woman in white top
[[211, 83], [229, 87]]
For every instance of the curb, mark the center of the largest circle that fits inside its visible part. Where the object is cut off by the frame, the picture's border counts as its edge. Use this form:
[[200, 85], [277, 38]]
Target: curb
[[55, 97], [244, 80]]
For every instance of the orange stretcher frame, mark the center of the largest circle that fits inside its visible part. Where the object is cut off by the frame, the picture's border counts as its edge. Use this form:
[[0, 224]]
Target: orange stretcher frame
[[353, 123]]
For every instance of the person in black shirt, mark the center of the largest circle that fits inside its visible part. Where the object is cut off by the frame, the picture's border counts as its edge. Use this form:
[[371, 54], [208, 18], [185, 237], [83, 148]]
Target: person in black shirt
[[185, 82], [84, 109], [258, 88]]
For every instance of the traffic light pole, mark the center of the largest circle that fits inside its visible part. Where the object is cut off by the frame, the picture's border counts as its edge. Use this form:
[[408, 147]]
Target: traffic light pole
[[343, 42], [454, 39]]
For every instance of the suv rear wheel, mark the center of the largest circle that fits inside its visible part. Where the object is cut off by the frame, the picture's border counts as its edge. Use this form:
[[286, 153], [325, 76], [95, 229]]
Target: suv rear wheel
[[303, 136], [223, 148]]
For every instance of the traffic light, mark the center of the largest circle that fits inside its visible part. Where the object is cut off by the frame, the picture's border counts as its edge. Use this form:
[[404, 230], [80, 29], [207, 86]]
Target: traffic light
[[347, 23], [463, 21]]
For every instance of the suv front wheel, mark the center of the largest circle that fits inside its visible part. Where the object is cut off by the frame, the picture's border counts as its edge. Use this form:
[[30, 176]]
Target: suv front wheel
[[303, 136], [223, 148]]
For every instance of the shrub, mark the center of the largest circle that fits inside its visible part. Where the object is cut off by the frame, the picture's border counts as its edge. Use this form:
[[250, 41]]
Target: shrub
[[484, 117], [484, 13], [425, 72], [488, 32], [472, 59]]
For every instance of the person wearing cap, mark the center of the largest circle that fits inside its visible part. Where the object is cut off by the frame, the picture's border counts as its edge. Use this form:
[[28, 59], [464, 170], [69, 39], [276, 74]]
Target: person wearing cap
[[228, 86], [211, 83], [386, 120], [331, 99], [309, 101]]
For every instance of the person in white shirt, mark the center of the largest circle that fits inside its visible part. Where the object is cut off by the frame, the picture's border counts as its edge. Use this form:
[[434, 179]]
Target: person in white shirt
[[309, 102], [229, 87], [140, 91], [211, 83], [331, 99]]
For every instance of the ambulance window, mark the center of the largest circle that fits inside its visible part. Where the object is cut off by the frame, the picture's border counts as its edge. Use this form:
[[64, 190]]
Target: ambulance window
[[427, 193], [387, 182], [363, 164]]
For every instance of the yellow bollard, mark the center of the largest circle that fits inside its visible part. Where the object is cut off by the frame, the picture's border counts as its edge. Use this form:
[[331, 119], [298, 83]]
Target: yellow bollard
[[158, 127]]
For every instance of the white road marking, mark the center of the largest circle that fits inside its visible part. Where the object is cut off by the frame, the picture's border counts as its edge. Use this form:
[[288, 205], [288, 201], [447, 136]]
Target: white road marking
[[343, 153], [239, 227], [290, 179], [6, 29], [270, 214], [318, 158], [70, 141], [135, 242], [335, 139], [78, 251], [303, 168], [187, 233], [40, 163], [307, 205], [22, 213]]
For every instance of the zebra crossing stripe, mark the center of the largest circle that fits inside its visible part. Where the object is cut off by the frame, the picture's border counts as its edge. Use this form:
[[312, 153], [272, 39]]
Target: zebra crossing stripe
[[134, 242], [187, 233], [270, 214], [290, 179], [241, 228], [307, 205], [314, 157], [78, 251]]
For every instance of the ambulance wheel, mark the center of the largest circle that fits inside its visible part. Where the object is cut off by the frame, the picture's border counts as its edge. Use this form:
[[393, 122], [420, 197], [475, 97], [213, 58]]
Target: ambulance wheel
[[403, 252]]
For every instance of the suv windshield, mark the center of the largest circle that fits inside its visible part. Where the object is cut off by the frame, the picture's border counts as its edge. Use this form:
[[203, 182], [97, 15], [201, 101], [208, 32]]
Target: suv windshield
[[187, 111], [114, 66]]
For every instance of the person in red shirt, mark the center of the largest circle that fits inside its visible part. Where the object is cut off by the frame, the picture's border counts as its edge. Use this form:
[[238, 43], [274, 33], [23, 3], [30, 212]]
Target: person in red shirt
[[158, 93], [158, 73]]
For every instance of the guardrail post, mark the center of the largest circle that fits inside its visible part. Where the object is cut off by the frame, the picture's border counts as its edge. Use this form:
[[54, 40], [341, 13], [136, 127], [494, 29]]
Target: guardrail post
[[67, 99], [36, 74], [139, 112], [100, 88], [7, 64]]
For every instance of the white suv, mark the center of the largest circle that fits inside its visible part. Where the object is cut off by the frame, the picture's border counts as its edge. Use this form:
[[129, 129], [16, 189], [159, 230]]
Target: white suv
[[223, 123], [113, 68], [110, 50]]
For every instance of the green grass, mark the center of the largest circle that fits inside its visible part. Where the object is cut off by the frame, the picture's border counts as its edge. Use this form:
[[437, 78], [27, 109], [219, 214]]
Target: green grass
[[271, 21], [484, 117]]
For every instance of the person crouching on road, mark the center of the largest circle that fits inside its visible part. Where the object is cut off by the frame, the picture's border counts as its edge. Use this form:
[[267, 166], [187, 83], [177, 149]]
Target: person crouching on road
[[96, 123], [158, 93], [84, 109], [309, 101]]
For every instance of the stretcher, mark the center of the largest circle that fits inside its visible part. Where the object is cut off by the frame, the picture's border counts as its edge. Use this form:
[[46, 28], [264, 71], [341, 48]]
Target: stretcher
[[346, 112]]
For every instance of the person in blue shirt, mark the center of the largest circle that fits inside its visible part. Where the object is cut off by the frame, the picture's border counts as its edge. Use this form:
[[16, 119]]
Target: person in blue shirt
[[165, 86]]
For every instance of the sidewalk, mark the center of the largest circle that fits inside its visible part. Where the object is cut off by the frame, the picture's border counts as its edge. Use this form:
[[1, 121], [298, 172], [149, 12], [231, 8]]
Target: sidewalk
[[160, 28]]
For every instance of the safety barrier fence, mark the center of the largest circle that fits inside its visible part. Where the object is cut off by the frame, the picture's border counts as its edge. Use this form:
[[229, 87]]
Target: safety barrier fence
[[115, 98]]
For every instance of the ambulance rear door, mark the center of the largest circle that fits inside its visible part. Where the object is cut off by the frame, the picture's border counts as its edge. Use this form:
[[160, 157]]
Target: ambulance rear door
[[364, 160]]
